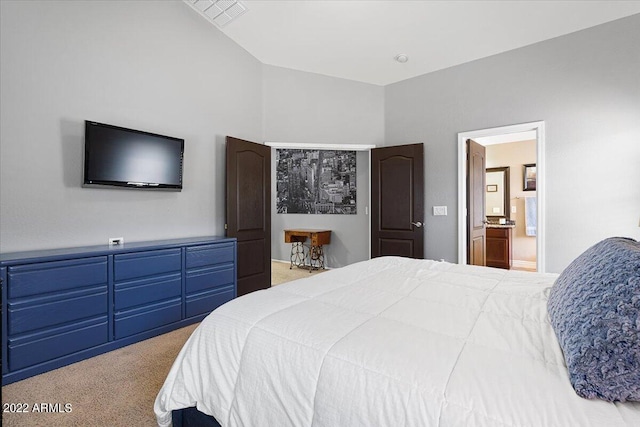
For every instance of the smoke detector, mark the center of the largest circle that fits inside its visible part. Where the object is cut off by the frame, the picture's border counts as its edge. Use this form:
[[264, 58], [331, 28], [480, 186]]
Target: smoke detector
[[401, 58]]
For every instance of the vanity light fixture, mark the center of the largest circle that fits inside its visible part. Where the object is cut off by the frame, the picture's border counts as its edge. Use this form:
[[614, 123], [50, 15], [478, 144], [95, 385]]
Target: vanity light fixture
[[401, 58], [220, 12]]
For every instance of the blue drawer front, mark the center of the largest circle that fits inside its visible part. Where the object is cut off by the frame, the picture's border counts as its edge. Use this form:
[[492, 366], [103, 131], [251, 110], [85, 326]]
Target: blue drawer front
[[33, 315], [44, 277], [142, 319], [144, 291], [209, 278], [208, 301], [200, 256], [34, 350], [148, 263]]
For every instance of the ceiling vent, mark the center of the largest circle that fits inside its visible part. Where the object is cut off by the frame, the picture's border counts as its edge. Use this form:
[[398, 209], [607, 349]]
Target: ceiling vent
[[220, 12]]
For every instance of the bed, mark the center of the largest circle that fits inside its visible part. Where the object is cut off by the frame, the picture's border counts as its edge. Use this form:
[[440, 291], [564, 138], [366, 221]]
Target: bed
[[386, 342]]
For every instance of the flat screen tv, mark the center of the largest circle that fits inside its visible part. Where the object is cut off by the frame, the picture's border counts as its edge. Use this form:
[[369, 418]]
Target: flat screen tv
[[121, 157]]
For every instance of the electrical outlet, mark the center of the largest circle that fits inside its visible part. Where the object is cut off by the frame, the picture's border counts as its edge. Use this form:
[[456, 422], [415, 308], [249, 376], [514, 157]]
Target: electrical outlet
[[513, 209], [439, 210], [116, 241]]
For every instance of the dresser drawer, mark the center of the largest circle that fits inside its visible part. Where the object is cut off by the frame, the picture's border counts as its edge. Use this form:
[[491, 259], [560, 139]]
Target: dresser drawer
[[209, 278], [206, 302], [200, 256], [144, 291], [44, 347], [46, 277], [148, 263], [143, 319], [44, 312]]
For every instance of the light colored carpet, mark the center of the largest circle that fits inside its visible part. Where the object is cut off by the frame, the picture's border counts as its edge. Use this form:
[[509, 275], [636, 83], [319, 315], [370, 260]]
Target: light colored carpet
[[114, 389], [281, 272]]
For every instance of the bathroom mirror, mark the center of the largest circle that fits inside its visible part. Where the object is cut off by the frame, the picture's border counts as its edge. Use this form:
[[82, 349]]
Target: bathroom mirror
[[497, 192]]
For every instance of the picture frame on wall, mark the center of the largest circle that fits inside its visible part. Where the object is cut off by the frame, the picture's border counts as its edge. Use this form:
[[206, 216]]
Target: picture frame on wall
[[530, 177], [314, 181]]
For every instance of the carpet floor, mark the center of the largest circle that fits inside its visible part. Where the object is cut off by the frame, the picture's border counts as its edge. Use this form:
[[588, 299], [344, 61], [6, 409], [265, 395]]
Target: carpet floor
[[114, 389]]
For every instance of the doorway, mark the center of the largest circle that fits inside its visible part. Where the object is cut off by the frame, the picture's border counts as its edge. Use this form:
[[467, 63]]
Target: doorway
[[535, 131]]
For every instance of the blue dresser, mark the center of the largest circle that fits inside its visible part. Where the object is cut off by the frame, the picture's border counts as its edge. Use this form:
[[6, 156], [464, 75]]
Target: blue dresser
[[64, 305]]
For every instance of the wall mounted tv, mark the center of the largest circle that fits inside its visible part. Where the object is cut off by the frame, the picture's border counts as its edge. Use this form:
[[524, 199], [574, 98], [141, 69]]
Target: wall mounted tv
[[121, 157]]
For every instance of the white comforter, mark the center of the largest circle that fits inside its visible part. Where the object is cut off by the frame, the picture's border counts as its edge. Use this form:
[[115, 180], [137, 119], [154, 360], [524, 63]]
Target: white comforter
[[386, 342]]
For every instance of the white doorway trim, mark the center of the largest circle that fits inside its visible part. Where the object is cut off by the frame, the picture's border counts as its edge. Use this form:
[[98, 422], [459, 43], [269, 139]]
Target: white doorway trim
[[538, 127]]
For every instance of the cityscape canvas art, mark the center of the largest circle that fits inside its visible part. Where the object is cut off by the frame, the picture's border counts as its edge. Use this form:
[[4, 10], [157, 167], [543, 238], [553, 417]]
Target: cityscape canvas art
[[315, 181]]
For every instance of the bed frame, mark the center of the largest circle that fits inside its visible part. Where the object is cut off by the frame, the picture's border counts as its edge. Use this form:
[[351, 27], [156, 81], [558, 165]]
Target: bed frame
[[191, 417]]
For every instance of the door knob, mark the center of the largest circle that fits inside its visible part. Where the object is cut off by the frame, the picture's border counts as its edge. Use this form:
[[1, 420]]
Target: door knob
[[417, 224]]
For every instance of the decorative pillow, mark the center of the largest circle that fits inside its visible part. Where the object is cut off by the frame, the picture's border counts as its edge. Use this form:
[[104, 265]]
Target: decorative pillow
[[594, 307]]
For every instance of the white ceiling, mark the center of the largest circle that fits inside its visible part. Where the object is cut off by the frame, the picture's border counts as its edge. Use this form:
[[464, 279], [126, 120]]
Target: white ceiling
[[358, 40]]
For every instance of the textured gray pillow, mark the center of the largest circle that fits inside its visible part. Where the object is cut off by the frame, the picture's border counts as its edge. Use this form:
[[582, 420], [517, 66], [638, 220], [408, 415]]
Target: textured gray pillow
[[594, 308]]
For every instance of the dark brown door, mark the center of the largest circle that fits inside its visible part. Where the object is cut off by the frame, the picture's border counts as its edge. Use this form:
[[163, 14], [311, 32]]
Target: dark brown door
[[249, 211], [397, 201], [476, 216]]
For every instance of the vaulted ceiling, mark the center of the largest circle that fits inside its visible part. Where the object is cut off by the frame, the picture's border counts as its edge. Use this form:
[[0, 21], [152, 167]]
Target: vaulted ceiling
[[359, 40]]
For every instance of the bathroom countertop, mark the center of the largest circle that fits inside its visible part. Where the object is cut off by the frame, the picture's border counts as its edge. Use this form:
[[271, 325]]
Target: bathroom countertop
[[501, 226]]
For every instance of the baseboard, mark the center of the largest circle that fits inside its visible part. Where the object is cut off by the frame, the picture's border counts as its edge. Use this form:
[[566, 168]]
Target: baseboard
[[289, 262], [531, 265]]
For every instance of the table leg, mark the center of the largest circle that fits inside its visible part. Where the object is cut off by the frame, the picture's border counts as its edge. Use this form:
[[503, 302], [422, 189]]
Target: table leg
[[316, 258], [297, 255]]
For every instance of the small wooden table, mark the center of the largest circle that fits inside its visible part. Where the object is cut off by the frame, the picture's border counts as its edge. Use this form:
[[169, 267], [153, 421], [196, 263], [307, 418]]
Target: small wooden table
[[315, 253]]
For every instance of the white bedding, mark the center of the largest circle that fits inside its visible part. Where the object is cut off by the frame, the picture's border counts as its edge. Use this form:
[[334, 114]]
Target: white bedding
[[387, 342]]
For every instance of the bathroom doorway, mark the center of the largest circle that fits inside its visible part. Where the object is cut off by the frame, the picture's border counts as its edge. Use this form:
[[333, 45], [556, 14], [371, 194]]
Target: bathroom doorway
[[518, 214]]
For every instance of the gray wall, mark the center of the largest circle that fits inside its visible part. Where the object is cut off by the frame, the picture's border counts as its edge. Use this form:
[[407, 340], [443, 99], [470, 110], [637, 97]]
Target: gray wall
[[311, 108], [585, 86], [155, 66], [164, 69]]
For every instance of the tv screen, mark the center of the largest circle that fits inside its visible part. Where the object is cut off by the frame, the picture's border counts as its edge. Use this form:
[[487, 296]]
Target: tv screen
[[116, 156]]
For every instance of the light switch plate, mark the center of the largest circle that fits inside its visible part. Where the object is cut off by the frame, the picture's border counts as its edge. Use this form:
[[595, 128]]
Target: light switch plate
[[513, 209], [439, 210]]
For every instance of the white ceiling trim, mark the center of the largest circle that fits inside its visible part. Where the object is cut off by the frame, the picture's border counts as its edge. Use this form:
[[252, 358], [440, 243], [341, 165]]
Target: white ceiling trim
[[320, 146]]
